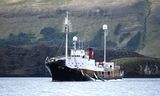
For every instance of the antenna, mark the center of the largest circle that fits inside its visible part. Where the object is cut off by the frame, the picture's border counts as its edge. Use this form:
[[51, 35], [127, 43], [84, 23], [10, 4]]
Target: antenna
[[82, 44], [79, 44], [75, 39], [67, 22]]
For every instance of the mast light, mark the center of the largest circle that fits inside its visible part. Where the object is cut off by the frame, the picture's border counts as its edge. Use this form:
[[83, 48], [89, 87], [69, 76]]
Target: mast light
[[105, 27]]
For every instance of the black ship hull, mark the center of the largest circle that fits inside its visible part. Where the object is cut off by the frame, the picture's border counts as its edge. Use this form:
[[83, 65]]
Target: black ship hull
[[60, 72]]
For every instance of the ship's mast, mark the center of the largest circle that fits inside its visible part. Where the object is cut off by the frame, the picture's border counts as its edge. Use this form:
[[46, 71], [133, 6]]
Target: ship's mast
[[105, 28], [66, 22]]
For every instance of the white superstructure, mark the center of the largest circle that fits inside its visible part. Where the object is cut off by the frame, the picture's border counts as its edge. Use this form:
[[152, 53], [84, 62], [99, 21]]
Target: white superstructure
[[79, 59]]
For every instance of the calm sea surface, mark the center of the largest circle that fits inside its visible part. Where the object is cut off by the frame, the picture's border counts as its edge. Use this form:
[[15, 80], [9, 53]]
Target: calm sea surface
[[44, 87]]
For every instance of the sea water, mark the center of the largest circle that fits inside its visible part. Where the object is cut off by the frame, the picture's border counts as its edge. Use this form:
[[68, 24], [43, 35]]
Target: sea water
[[44, 87]]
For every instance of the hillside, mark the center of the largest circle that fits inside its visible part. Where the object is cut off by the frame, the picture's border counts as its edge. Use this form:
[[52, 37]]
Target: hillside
[[32, 30], [133, 25], [152, 30]]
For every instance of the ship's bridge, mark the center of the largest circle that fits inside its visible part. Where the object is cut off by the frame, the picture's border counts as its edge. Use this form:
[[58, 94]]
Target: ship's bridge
[[80, 59], [77, 53]]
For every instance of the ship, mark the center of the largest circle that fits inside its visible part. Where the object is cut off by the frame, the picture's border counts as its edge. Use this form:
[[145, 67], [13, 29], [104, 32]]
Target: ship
[[80, 65]]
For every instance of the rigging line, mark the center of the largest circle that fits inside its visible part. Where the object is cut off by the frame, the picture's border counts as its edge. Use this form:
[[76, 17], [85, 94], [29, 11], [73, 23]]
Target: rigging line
[[60, 47]]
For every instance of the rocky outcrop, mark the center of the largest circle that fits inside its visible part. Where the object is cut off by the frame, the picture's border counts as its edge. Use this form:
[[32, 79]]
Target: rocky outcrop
[[140, 66]]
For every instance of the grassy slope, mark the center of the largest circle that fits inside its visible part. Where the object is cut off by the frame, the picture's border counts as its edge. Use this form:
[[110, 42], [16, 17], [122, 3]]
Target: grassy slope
[[25, 16], [153, 30], [17, 13]]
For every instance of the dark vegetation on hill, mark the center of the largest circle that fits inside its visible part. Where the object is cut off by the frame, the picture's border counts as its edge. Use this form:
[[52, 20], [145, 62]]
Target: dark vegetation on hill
[[29, 60]]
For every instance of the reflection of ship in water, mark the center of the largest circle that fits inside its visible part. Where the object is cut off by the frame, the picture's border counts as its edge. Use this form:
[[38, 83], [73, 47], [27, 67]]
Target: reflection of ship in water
[[80, 65]]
